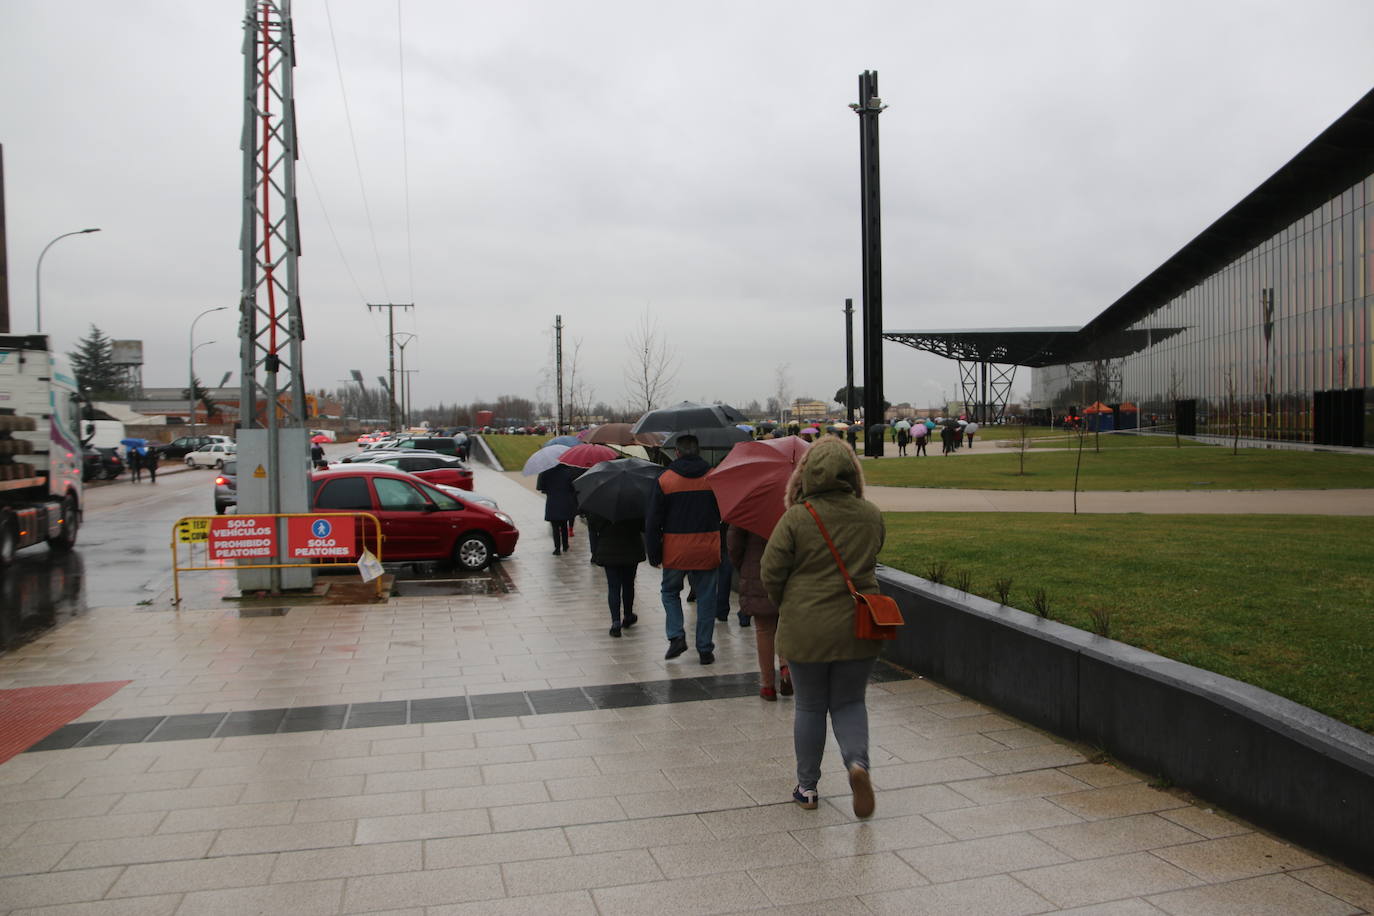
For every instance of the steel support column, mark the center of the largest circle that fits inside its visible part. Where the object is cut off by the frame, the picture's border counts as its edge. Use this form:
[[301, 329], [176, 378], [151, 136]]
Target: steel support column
[[869, 106]]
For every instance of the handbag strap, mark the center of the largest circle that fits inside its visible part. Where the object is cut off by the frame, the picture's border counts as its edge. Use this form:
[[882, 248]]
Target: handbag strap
[[835, 553]]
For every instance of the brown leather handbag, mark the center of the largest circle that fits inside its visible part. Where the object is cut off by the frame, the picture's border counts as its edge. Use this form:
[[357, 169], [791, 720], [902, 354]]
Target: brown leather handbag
[[875, 616]]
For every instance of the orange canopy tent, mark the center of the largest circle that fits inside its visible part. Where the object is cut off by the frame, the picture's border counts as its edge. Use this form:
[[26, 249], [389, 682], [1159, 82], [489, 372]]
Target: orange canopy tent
[[1097, 407]]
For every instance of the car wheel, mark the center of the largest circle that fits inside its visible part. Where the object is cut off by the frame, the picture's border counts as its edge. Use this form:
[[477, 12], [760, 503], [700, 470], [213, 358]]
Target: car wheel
[[219, 508], [472, 552], [189, 462], [219, 465], [8, 542], [71, 523]]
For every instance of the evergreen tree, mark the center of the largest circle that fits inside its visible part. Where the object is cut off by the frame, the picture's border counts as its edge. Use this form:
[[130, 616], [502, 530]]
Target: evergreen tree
[[93, 363]]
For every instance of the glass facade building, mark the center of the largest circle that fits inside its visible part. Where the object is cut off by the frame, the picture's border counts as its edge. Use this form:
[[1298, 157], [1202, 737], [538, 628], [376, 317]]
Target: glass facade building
[[1262, 327]]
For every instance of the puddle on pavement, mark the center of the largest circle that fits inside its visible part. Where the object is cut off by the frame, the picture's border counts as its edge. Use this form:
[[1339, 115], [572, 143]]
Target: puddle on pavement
[[263, 611], [491, 581], [39, 591]]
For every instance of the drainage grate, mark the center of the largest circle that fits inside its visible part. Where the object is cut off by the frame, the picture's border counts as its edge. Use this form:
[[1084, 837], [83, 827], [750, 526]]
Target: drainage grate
[[468, 585], [263, 611]]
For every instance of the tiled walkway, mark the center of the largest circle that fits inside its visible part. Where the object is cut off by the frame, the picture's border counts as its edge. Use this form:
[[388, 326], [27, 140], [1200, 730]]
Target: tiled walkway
[[673, 804]]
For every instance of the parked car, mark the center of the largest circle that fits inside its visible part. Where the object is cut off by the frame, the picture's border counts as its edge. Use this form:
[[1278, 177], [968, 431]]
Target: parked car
[[227, 486], [419, 521], [102, 464], [428, 466], [181, 446], [211, 456], [444, 445]]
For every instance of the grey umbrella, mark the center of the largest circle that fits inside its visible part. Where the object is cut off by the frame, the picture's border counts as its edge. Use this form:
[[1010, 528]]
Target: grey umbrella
[[715, 443], [688, 415]]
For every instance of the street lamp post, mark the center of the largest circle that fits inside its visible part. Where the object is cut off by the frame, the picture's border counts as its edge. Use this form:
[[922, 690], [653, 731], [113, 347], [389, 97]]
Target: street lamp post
[[38, 276], [191, 366], [401, 345]]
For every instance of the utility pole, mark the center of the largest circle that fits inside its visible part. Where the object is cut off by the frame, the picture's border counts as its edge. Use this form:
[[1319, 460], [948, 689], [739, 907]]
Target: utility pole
[[869, 106], [391, 308], [849, 361], [406, 404], [558, 369]]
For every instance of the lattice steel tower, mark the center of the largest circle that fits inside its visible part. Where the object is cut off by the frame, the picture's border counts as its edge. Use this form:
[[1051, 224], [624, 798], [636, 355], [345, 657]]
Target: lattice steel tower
[[272, 389]]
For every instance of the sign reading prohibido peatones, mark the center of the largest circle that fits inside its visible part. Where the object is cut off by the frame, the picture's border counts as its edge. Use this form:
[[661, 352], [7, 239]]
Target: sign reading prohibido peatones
[[238, 537], [320, 537]]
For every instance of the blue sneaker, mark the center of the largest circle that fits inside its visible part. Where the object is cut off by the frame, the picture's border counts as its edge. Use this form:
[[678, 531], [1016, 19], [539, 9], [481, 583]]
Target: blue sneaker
[[806, 798]]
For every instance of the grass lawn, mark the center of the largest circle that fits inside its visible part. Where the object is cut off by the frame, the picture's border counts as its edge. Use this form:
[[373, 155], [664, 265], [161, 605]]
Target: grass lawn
[[1282, 602], [514, 451], [1202, 468]]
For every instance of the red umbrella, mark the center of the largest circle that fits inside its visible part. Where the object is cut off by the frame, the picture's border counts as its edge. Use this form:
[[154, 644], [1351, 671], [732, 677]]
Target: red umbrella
[[587, 454], [320, 438], [750, 483]]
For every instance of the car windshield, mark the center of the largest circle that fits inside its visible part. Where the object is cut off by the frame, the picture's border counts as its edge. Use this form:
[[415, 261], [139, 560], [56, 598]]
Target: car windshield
[[231, 467], [442, 500]]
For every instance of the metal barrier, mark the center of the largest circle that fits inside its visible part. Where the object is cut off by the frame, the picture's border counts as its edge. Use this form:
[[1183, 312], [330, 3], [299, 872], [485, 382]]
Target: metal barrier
[[231, 539]]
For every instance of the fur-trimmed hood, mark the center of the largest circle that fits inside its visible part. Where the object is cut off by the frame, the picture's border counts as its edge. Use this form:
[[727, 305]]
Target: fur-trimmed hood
[[828, 465]]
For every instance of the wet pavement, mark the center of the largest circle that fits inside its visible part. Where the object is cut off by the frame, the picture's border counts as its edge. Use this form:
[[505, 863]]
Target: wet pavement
[[500, 753]]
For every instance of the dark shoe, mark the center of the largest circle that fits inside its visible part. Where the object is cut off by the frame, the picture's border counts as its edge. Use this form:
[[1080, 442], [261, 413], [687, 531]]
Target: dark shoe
[[785, 682], [806, 798], [615, 631], [676, 646], [862, 787], [744, 620], [708, 658], [558, 553], [721, 618], [631, 618], [769, 694]]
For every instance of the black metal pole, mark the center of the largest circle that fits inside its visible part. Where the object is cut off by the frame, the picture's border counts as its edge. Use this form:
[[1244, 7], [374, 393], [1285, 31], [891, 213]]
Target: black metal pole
[[869, 106], [849, 361]]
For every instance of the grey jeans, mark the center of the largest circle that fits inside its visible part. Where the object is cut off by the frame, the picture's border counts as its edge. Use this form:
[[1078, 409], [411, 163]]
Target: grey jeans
[[837, 689]]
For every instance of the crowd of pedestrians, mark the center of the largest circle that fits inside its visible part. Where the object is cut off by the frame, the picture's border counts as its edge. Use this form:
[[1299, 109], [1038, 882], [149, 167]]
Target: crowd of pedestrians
[[791, 591]]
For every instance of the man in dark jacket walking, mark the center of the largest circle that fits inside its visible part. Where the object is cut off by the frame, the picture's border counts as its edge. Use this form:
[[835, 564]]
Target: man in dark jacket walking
[[560, 501], [682, 535]]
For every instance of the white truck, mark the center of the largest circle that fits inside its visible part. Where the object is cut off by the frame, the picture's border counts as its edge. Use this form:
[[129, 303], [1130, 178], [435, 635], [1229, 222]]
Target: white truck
[[40, 447]]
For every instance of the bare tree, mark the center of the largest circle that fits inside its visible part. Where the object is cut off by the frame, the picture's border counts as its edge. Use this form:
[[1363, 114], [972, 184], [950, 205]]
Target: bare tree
[[1233, 410], [652, 366], [579, 395], [782, 390]]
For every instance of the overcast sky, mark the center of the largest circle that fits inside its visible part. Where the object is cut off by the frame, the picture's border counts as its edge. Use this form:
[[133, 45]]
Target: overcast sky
[[694, 162]]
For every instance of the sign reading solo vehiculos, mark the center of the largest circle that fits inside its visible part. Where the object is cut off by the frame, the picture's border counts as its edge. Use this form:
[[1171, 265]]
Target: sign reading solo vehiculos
[[237, 537], [319, 537]]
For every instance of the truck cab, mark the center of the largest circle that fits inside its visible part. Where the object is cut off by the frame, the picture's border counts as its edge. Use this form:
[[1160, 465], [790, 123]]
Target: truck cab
[[40, 447]]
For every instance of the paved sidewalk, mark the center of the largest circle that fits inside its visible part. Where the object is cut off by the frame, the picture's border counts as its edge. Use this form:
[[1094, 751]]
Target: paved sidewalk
[[546, 768], [1200, 502]]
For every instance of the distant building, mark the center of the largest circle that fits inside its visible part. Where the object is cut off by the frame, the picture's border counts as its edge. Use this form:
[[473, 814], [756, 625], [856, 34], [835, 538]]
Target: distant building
[[1262, 326]]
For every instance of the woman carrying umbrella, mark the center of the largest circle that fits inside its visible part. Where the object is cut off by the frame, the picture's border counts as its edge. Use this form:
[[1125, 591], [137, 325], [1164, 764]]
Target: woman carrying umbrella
[[746, 553], [619, 550]]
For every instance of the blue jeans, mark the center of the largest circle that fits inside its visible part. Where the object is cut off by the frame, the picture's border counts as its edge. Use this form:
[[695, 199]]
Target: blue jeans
[[836, 688], [724, 573], [620, 588], [704, 582]]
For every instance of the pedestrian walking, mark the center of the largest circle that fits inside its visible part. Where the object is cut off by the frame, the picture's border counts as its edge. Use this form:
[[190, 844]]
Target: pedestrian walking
[[903, 438], [725, 574], [746, 553], [969, 429], [560, 502], [618, 549], [920, 433], [947, 434], [829, 664], [682, 535], [135, 462], [317, 455], [150, 464]]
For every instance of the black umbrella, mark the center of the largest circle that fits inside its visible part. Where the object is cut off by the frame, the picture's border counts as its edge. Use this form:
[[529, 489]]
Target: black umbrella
[[686, 416], [715, 443], [617, 489]]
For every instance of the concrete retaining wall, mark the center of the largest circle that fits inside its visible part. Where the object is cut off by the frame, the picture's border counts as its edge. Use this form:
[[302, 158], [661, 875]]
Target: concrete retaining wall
[[1303, 775]]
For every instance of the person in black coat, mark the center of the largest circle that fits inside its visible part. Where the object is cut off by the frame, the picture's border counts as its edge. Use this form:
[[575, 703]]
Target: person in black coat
[[560, 501], [619, 550]]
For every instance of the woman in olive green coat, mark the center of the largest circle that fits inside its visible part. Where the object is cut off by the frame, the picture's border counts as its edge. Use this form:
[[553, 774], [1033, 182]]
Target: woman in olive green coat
[[830, 666]]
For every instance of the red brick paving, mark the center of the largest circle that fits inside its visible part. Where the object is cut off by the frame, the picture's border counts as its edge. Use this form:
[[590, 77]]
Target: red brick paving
[[30, 714]]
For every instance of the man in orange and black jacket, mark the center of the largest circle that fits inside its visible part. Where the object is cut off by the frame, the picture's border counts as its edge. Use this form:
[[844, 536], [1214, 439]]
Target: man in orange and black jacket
[[682, 535]]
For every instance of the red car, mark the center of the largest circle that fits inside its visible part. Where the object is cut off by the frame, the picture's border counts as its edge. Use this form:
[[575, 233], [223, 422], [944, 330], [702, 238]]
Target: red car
[[418, 521], [430, 466]]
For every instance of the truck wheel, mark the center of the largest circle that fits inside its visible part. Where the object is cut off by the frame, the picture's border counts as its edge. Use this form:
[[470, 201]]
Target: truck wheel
[[7, 543], [71, 522], [472, 552]]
